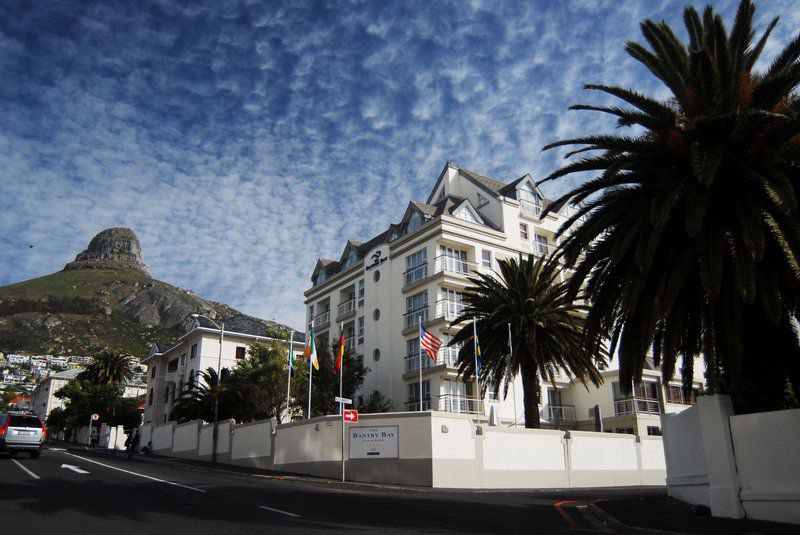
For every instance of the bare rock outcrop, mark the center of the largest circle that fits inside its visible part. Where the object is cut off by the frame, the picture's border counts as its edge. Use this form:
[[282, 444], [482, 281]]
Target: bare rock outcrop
[[113, 248]]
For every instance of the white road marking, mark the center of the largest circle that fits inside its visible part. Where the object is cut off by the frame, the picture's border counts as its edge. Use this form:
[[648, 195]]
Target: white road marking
[[34, 476], [287, 513], [134, 473], [74, 468]]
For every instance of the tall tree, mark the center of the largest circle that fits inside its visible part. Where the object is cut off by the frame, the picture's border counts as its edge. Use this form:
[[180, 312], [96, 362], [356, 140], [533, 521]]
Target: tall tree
[[546, 326], [110, 367], [260, 380], [690, 228], [196, 400]]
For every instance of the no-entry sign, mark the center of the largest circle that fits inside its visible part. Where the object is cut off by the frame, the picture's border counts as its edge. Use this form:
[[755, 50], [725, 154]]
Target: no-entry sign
[[350, 416]]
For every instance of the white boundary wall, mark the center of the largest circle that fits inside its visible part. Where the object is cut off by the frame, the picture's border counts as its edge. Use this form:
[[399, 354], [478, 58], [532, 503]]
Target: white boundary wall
[[744, 465], [433, 449]]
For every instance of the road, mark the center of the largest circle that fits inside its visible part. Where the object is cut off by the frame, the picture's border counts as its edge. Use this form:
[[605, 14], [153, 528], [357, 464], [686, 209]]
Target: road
[[82, 491]]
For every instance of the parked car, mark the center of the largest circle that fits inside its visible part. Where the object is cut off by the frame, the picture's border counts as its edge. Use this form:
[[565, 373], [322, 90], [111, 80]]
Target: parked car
[[21, 431]]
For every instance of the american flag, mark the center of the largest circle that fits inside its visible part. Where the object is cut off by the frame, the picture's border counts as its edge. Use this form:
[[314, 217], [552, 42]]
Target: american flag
[[429, 342]]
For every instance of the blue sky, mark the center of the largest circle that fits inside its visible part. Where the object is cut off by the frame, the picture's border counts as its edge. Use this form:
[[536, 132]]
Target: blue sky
[[241, 140]]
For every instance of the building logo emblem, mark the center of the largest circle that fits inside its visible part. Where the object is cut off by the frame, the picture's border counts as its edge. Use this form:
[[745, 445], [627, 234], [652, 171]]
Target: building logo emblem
[[377, 259]]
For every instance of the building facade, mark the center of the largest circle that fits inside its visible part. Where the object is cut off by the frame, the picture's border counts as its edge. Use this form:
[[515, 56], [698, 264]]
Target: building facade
[[416, 272], [170, 368]]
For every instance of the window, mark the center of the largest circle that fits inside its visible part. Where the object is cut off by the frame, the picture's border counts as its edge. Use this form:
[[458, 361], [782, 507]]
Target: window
[[486, 259], [376, 355], [452, 303], [466, 215], [482, 201], [183, 359], [676, 395], [523, 231], [653, 431], [320, 277], [646, 390], [376, 314], [193, 351], [153, 372], [361, 289], [416, 267], [241, 351], [624, 430], [351, 259], [414, 222], [166, 394], [529, 201], [413, 395], [453, 260], [150, 397], [377, 276], [172, 366], [542, 246], [361, 326]]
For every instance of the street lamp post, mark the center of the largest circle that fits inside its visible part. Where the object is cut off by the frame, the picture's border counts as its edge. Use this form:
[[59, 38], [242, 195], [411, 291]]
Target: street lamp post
[[221, 328]]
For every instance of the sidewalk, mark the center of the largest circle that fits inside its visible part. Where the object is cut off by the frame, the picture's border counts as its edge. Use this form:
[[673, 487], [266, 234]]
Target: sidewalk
[[660, 514]]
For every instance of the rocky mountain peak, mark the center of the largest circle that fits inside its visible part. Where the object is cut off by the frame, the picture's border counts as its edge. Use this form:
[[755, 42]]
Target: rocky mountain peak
[[113, 248]]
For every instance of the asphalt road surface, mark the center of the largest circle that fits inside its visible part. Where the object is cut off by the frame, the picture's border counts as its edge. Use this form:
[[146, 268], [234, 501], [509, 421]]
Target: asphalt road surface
[[81, 491]]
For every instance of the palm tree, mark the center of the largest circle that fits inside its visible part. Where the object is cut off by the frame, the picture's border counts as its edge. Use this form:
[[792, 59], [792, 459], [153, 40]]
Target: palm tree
[[546, 326], [196, 400], [110, 367], [689, 232]]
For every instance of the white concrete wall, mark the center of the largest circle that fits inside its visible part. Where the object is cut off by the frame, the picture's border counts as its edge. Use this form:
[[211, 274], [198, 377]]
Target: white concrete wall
[[162, 437], [186, 436], [252, 440], [602, 459], [687, 477], [146, 435], [768, 464]]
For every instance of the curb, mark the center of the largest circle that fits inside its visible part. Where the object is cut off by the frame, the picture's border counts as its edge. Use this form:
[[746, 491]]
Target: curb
[[618, 526]]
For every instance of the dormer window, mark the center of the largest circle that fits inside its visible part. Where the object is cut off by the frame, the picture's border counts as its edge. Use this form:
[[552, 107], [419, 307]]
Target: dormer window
[[441, 194], [414, 222], [321, 276], [351, 259], [466, 215], [482, 201], [530, 202]]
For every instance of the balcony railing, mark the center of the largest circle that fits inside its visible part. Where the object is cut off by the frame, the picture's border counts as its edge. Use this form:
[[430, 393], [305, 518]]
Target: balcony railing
[[346, 308], [558, 413], [541, 249], [453, 264], [323, 319], [459, 404], [530, 208], [412, 362], [350, 342], [449, 308], [413, 404], [415, 274], [412, 317], [636, 406]]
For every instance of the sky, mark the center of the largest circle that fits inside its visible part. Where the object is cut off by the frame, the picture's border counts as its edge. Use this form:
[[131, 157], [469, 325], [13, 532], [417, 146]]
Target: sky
[[242, 140]]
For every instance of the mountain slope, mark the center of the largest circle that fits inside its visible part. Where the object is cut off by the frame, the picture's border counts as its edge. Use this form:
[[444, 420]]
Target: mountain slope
[[105, 298]]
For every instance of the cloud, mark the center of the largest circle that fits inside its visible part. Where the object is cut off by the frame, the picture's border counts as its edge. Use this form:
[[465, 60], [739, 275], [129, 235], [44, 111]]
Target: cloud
[[242, 140]]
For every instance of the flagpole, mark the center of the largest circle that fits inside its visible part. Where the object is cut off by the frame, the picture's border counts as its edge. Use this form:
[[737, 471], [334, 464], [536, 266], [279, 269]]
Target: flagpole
[[514, 378], [341, 370], [477, 377], [289, 377], [310, 370], [420, 362]]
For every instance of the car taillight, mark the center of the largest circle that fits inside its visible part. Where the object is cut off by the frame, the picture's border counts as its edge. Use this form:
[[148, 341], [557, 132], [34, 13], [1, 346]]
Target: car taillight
[[4, 428], [44, 430]]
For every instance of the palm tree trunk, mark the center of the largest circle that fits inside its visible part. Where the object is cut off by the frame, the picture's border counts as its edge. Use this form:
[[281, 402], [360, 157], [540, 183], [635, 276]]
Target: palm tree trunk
[[530, 393]]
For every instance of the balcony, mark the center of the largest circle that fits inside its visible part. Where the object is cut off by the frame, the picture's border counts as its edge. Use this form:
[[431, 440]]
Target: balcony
[[529, 208], [459, 404], [350, 342], [346, 309], [415, 274], [453, 265], [412, 362], [558, 413], [449, 309], [323, 319], [541, 249], [412, 318], [412, 404], [636, 406]]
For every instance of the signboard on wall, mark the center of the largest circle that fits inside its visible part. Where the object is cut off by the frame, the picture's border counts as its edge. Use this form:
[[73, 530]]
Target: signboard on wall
[[378, 442]]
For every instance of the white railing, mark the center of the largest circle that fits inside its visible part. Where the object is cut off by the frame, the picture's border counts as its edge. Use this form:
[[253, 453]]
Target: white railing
[[322, 319], [558, 413], [530, 208], [453, 265], [415, 274], [459, 404], [412, 362], [636, 406], [449, 309], [541, 249], [412, 317], [350, 342], [447, 356], [346, 308]]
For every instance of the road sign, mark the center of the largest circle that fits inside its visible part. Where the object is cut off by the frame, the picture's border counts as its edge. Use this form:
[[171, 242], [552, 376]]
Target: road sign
[[346, 401], [95, 417], [350, 416]]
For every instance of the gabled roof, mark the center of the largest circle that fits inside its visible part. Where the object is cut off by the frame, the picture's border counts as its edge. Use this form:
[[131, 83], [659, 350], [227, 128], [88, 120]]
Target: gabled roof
[[351, 244], [490, 186], [245, 324]]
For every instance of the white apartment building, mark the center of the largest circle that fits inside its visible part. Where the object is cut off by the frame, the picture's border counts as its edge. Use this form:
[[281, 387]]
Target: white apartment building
[[417, 270], [170, 368]]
